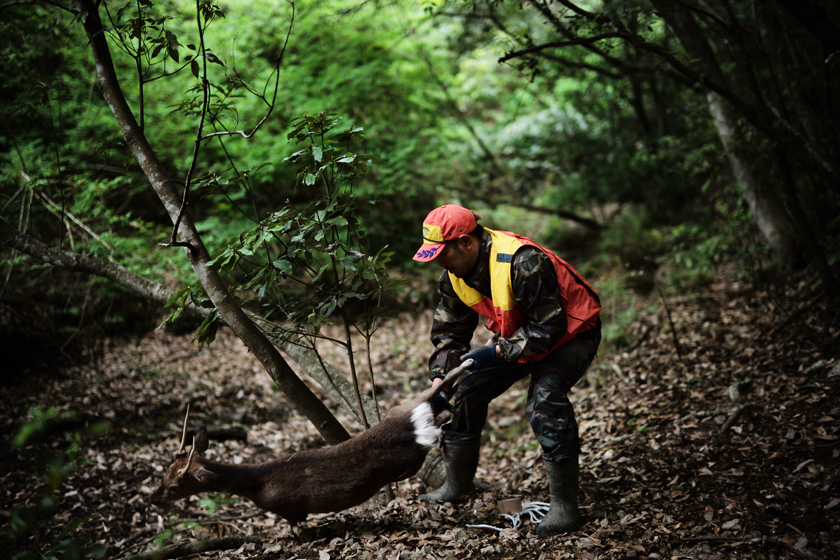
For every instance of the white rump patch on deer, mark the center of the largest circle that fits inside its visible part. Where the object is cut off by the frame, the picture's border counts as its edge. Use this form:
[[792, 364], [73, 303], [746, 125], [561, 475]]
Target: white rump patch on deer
[[425, 431]]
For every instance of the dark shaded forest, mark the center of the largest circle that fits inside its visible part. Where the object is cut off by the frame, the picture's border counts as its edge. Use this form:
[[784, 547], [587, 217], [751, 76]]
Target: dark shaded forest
[[217, 204]]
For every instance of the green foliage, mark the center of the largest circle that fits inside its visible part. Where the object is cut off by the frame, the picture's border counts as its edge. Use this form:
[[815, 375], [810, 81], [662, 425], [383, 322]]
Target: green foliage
[[695, 250], [206, 332], [620, 309], [318, 247], [29, 530], [212, 504], [635, 240]]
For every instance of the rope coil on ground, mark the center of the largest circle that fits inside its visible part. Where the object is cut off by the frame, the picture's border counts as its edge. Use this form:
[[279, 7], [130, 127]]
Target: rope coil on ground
[[536, 510]]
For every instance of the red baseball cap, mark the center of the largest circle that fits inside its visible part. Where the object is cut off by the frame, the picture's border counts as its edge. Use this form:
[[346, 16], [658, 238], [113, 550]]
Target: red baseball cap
[[441, 225]]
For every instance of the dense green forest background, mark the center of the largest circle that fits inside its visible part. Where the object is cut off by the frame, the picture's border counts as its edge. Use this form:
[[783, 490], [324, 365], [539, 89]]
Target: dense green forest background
[[650, 143], [266, 165]]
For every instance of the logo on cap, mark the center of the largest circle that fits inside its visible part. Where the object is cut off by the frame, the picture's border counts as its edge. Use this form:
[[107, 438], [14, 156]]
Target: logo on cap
[[444, 224]]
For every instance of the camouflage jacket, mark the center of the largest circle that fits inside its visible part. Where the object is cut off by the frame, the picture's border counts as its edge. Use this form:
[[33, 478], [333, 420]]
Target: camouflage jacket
[[536, 290]]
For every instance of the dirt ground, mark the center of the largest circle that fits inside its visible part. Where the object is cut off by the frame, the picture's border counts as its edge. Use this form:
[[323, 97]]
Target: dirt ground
[[725, 444]]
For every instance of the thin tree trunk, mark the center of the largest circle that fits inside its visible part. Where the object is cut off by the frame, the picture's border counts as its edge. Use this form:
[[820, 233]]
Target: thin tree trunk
[[229, 310], [774, 224], [769, 214]]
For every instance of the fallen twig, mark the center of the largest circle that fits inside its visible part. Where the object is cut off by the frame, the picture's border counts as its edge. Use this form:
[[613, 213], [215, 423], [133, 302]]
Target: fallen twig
[[734, 417], [703, 538], [671, 323], [193, 547], [704, 414], [127, 543], [639, 341], [618, 439]]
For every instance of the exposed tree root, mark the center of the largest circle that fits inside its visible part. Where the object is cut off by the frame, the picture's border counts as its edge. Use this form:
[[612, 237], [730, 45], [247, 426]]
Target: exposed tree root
[[193, 547]]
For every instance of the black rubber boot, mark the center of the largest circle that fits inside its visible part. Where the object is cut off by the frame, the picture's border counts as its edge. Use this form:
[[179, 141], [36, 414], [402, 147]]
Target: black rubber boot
[[460, 461], [563, 515]]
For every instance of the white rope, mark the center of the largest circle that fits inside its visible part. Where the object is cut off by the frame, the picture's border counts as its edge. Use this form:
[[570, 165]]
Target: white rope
[[536, 510]]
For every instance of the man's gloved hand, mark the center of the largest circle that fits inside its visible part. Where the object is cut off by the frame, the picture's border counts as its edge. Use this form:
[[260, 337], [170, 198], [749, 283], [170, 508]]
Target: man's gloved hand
[[482, 356], [441, 402]]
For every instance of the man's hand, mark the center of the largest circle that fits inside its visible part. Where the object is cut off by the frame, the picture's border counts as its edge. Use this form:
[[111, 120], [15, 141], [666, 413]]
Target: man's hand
[[482, 356], [439, 403]]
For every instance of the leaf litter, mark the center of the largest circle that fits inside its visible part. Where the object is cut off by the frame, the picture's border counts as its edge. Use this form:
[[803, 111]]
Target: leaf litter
[[672, 466]]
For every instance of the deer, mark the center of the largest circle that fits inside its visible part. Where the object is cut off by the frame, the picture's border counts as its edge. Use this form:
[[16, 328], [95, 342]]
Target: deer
[[323, 480]]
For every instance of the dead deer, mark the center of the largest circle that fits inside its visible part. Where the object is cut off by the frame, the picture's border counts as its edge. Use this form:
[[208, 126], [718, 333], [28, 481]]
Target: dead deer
[[321, 480]]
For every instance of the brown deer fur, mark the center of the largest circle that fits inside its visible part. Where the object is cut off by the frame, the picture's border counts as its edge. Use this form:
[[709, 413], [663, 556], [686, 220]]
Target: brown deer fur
[[318, 480]]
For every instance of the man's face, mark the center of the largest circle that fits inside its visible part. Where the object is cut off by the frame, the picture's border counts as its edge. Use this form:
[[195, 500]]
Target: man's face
[[457, 257]]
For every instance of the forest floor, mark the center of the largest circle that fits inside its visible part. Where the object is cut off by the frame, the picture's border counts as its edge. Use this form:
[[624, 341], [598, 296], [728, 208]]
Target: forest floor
[[674, 464]]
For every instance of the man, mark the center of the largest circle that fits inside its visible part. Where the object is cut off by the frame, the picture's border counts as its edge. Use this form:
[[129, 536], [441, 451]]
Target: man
[[546, 323]]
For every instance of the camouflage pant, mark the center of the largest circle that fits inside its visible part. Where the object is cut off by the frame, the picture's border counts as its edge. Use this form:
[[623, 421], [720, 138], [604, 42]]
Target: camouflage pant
[[550, 412]]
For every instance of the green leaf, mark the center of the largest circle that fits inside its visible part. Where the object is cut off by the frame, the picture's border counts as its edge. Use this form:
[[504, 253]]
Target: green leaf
[[179, 295], [162, 537], [317, 153], [207, 331], [283, 266], [339, 221], [328, 308], [318, 276], [172, 45], [351, 263], [213, 58], [194, 68]]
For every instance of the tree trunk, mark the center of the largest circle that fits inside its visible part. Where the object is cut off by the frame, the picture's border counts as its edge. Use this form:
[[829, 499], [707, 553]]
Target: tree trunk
[[770, 216], [229, 310], [766, 208]]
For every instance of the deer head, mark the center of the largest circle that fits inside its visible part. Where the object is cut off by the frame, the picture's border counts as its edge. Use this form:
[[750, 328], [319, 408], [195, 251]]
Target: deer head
[[187, 475]]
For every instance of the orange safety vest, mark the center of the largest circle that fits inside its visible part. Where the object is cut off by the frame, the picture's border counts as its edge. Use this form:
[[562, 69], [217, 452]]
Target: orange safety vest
[[501, 310]]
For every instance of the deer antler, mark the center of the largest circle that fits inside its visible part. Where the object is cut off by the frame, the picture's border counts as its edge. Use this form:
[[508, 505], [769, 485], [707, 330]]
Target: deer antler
[[183, 471], [184, 434]]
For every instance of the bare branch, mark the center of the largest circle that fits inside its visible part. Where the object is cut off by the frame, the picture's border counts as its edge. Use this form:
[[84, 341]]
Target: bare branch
[[791, 142], [557, 44], [200, 137], [87, 264], [78, 222], [571, 216]]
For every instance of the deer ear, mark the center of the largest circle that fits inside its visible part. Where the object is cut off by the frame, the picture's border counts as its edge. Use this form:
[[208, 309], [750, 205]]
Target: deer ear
[[203, 475], [201, 440]]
